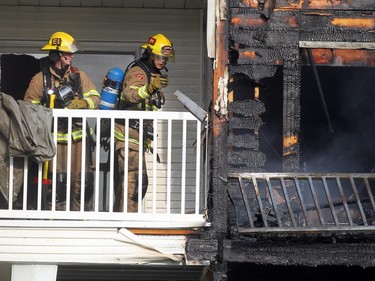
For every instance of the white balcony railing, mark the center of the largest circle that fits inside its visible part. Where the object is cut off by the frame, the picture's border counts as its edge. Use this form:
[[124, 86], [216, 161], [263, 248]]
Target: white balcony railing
[[176, 191]]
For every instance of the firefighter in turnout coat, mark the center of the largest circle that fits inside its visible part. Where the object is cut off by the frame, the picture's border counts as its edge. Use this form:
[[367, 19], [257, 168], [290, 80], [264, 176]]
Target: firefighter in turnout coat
[[71, 89], [141, 91]]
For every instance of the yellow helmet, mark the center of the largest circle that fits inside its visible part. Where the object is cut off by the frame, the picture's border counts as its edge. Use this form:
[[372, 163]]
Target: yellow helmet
[[62, 42], [160, 47]]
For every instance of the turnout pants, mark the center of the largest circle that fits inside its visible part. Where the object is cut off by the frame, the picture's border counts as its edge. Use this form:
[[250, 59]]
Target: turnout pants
[[133, 173], [75, 181]]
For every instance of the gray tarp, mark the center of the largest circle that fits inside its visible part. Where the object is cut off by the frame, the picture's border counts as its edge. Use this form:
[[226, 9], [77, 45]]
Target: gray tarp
[[25, 130]]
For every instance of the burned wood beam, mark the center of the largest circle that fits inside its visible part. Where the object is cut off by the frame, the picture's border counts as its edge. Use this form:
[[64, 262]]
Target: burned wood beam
[[249, 158], [201, 249], [255, 71], [247, 107], [217, 200], [244, 140], [311, 4], [337, 26], [305, 254], [259, 55], [341, 5], [264, 39], [291, 114], [249, 19], [245, 123], [283, 4]]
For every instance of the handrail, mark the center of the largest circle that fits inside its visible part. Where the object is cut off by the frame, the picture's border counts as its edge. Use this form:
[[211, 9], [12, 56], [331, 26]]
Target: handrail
[[176, 184], [303, 201]]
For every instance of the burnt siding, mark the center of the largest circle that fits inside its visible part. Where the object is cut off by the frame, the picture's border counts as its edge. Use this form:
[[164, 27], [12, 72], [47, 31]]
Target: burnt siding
[[323, 251], [258, 47], [338, 26], [261, 45], [311, 4]]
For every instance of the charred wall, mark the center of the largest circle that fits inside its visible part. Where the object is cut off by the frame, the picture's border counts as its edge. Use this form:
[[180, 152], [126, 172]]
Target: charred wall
[[269, 35], [265, 50], [303, 251], [262, 45], [237, 271]]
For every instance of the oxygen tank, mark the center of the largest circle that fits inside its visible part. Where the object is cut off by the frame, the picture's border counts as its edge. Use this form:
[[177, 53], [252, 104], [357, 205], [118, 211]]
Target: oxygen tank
[[112, 85]]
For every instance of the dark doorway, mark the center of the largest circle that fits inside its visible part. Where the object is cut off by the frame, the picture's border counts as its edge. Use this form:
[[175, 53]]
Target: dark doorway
[[350, 98], [271, 132], [16, 73]]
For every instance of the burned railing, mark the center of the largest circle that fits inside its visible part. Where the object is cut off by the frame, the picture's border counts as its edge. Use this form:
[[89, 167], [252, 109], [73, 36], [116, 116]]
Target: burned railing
[[302, 201], [176, 190]]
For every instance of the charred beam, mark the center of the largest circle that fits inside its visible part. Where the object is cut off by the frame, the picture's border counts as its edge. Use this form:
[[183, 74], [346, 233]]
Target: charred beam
[[255, 72], [338, 26], [311, 4], [291, 114], [245, 123], [341, 5], [244, 140], [249, 158], [199, 249], [218, 210], [250, 19], [247, 107], [306, 254]]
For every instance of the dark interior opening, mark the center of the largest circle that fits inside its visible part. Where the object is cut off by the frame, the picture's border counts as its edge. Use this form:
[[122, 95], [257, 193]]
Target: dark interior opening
[[271, 132], [16, 73], [350, 97]]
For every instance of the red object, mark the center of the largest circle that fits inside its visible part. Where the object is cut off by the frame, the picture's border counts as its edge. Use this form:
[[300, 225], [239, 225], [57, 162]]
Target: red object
[[44, 181]]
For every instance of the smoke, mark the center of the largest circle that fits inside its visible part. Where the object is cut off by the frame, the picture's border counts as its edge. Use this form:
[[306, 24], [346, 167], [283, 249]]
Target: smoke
[[350, 100]]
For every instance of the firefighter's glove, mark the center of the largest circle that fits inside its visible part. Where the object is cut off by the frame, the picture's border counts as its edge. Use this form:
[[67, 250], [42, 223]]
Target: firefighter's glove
[[77, 104], [158, 99], [157, 82], [163, 80]]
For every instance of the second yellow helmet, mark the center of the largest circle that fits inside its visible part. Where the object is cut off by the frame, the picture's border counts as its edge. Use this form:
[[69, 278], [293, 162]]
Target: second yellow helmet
[[160, 46]]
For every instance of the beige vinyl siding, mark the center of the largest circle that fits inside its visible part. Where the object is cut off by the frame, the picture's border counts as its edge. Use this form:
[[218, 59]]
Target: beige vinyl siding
[[117, 30]]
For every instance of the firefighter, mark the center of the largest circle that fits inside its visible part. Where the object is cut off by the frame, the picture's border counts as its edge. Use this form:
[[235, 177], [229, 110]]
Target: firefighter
[[142, 90], [61, 85]]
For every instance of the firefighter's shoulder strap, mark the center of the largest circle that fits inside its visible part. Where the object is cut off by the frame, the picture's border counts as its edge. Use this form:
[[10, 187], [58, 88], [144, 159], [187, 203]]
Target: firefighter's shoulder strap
[[76, 79], [47, 80], [44, 67], [142, 65]]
